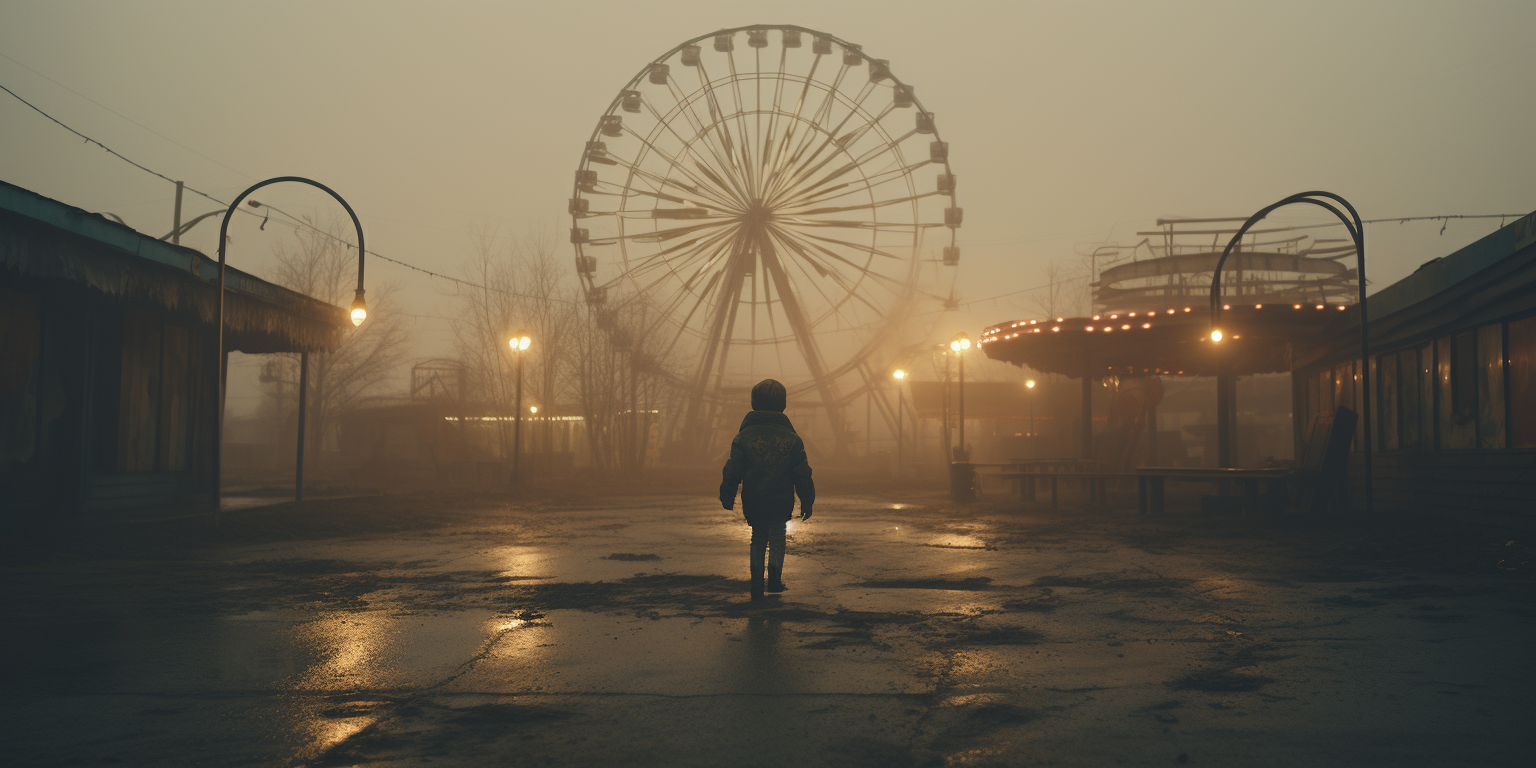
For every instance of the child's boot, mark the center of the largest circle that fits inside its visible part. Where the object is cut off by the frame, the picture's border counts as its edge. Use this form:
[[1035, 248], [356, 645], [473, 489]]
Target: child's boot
[[775, 580]]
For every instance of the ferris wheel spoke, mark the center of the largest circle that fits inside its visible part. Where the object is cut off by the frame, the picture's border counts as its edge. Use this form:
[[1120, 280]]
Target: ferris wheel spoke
[[797, 115], [829, 139], [794, 195], [665, 181], [700, 126], [870, 249], [688, 145], [817, 243], [835, 272], [722, 191], [766, 139], [717, 115], [822, 110], [805, 261], [850, 188], [739, 117], [718, 341], [692, 250], [864, 207]]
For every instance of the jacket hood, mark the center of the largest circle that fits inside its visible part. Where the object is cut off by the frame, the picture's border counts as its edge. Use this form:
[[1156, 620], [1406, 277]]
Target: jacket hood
[[758, 418]]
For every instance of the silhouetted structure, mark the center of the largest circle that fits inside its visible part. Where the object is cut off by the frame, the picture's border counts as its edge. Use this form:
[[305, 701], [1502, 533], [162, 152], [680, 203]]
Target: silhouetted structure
[[1453, 348], [107, 379]]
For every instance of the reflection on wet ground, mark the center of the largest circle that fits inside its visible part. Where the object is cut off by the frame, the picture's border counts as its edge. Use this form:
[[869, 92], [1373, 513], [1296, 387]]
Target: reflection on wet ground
[[911, 635]]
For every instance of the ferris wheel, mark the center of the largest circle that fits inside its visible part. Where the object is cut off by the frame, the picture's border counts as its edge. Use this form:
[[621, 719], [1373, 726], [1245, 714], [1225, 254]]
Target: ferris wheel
[[780, 202]]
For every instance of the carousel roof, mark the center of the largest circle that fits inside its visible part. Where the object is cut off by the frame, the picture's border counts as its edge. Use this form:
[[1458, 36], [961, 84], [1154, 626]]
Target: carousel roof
[[1162, 341]]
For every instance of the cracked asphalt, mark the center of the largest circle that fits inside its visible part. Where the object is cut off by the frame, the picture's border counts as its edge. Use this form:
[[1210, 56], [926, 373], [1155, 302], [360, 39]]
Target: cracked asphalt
[[592, 630]]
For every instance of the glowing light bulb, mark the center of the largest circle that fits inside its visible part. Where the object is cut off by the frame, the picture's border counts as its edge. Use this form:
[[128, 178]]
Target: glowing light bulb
[[1215, 334]]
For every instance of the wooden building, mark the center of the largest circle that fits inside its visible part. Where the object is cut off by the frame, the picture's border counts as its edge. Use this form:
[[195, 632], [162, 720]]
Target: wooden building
[[107, 354], [1453, 357]]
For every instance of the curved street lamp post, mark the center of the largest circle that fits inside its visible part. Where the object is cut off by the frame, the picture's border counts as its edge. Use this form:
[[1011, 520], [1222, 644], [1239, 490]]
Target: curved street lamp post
[[357, 312], [1357, 234]]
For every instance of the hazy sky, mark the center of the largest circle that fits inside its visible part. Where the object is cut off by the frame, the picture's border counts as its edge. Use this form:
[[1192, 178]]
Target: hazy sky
[[1068, 123]]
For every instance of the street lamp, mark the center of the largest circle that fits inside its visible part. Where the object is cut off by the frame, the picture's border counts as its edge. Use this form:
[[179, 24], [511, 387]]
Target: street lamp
[[1030, 385], [901, 405], [1356, 229], [959, 344], [519, 344], [357, 314]]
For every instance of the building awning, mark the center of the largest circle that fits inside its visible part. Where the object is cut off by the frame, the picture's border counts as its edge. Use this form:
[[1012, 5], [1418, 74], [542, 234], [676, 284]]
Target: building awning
[[44, 238], [1167, 341]]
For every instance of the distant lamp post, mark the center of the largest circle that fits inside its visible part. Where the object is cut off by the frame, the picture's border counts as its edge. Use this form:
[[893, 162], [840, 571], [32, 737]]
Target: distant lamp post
[[519, 344], [1030, 385], [1356, 229], [357, 314], [959, 344], [901, 405]]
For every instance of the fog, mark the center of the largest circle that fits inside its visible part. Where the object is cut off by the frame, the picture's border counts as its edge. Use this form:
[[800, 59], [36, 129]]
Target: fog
[[454, 130]]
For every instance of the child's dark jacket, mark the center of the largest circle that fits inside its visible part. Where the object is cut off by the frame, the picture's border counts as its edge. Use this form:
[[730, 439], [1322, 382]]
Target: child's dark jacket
[[768, 461]]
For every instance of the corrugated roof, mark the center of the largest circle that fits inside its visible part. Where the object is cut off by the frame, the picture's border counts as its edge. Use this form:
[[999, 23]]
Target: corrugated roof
[[42, 237]]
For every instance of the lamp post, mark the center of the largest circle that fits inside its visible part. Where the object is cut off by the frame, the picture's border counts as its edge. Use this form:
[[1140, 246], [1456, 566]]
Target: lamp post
[[1030, 385], [519, 344], [1356, 229], [901, 405], [959, 345], [357, 312]]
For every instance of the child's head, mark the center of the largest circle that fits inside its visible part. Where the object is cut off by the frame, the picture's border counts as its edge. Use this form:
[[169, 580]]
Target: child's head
[[769, 395]]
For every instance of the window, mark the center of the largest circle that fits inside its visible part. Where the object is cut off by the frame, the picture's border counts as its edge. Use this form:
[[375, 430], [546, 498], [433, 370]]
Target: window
[[1522, 383], [1386, 383], [1457, 397], [1426, 414], [1408, 400], [1490, 386]]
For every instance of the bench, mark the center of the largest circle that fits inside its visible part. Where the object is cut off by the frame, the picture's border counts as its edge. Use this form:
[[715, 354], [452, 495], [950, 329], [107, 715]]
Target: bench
[[1320, 477], [1028, 474], [1275, 481]]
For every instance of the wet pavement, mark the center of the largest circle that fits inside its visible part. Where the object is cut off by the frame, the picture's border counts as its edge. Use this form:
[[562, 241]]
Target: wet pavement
[[617, 631]]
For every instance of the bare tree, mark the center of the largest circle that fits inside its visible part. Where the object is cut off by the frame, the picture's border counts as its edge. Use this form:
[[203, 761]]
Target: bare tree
[[517, 285], [602, 358], [318, 262]]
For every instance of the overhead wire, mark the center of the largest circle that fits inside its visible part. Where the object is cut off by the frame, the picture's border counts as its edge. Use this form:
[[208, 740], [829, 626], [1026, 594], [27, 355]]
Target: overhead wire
[[296, 222]]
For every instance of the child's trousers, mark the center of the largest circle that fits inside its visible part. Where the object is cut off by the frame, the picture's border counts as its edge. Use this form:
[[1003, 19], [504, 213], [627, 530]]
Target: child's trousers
[[767, 537]]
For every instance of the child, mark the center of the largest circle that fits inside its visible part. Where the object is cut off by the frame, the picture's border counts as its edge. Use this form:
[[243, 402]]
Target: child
[[768, 462]]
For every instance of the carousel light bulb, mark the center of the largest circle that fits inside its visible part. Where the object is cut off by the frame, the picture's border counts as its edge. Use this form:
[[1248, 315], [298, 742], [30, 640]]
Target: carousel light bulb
[[1216, 334]]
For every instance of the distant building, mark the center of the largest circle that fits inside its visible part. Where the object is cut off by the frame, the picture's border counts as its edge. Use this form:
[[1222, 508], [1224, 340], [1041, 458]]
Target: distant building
[[107, 347], [1453, 356]]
